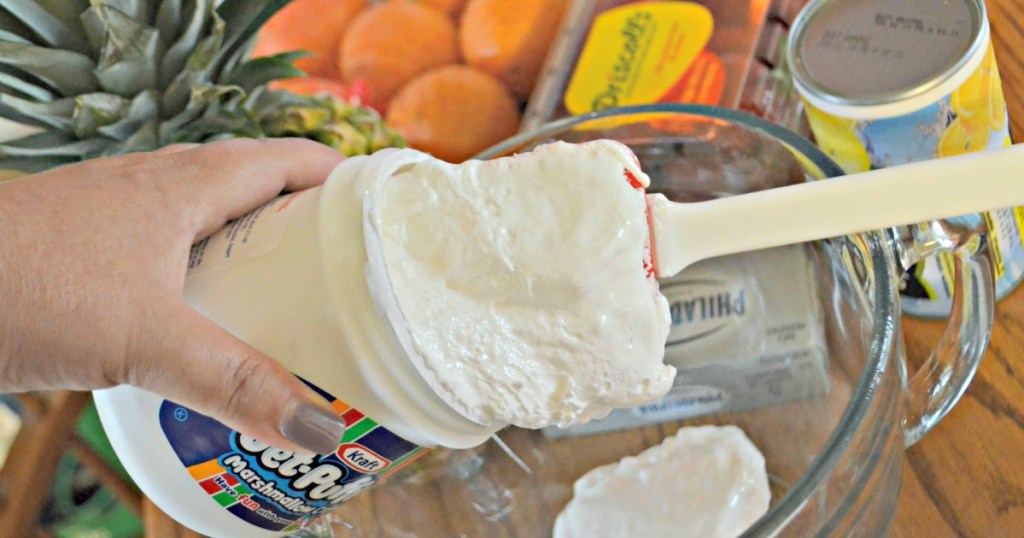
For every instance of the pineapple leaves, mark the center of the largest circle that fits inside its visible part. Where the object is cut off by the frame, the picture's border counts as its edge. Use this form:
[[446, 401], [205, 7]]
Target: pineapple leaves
[[13, 80], [259, 71], [143, 107], [107, 77], [243, 18], [10, 25], [7, 35], [168, 19], [95, 33], [43, 151], [178, 53], [95, 110], [52, 114], [200, 99], [130, 53], [70, 73], [198, 69], [49, 144], [144, 139], [52, 30], [65, 10], [32, 165], [137, 10]]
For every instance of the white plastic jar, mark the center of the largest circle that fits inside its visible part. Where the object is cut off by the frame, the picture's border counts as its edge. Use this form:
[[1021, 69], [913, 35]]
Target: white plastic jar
[[289, 279]]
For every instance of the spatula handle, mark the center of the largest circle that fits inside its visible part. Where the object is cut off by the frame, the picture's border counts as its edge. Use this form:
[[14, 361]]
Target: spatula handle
[[896, 196]]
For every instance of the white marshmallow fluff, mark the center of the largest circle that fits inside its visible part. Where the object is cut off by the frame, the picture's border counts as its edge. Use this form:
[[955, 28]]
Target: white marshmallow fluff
[[704, 482], [521, 288]]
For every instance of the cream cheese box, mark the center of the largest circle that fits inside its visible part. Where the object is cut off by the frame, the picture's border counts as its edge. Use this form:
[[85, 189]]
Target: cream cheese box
[[746, 332]]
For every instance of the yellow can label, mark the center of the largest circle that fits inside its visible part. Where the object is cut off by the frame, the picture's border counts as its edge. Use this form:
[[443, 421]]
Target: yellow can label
[[972, 118], [980, 110], [641, 53], [838, 137], [995, 250]]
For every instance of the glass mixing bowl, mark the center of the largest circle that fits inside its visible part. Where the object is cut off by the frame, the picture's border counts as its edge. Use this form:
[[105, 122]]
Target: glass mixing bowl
[[834, 459]]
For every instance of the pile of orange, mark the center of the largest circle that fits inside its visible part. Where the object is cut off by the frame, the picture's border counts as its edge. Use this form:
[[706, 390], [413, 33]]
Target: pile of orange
[[450, 75]]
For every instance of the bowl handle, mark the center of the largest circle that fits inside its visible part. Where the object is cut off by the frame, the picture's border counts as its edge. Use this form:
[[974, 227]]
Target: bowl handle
[[937, 385]]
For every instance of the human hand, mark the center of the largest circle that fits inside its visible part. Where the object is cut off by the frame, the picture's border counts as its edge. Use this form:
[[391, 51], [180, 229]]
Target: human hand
[[92, 267]]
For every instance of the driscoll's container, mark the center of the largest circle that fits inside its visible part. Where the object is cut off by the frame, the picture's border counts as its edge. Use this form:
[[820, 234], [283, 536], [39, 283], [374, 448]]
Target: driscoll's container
[[288, 279], [887, 83], [613, 53]]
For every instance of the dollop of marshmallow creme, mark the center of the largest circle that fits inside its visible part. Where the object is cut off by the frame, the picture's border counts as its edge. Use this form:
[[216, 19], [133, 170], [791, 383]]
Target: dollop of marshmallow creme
[[703, 482], [522, 288]]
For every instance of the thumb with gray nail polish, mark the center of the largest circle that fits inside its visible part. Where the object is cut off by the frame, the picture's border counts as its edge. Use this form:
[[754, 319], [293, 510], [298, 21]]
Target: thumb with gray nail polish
[[313, 427]]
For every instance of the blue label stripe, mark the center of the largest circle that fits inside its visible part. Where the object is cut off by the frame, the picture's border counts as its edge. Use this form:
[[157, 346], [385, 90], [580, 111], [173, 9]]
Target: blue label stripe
[[274, 489]]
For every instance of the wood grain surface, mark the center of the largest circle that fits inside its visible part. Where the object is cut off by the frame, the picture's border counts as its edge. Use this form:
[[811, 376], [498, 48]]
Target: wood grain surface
[[966, 478]]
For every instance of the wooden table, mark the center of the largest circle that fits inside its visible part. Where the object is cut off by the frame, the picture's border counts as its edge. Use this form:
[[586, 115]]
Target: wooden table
[[966, 477]]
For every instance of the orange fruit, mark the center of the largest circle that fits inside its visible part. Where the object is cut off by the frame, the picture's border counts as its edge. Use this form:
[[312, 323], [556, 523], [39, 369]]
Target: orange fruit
[[451, 7], [510, 39], [390, 43], [454, 112], [312, 25]]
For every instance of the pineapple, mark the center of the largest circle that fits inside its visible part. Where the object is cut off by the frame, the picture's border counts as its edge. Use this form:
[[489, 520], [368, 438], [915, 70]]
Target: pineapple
[[107, 77]]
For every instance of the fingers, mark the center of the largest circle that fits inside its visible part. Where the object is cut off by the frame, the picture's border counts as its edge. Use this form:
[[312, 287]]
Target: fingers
[[185, 357], [225, 180], [195, 363]]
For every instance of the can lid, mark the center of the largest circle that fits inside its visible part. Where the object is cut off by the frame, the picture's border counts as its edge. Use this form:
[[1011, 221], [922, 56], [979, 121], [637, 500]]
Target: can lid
[[863, 53]]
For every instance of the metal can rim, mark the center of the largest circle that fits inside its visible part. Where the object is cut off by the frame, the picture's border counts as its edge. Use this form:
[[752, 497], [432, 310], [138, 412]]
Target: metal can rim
[[897, 103]]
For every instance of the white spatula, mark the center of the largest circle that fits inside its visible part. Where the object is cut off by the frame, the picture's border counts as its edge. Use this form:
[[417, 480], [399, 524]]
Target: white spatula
[[684, 233]]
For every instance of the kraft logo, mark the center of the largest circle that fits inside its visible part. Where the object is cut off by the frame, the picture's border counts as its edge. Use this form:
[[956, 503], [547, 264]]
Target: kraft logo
[[362, 459]]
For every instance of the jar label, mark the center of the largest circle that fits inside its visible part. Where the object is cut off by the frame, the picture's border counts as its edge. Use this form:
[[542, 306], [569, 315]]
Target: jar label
[[277, 489], [254, 234]]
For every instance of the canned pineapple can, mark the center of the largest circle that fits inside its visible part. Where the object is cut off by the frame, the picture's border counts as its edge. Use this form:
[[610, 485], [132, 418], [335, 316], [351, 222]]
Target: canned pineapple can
[[887, 83]]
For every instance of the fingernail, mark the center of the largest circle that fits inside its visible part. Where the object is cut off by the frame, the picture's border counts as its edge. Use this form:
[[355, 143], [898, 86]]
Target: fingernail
[[312, 427]]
